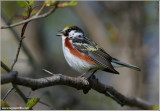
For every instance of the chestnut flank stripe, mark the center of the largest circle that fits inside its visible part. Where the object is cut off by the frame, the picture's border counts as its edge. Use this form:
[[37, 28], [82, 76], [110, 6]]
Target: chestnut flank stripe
[[76, 53]]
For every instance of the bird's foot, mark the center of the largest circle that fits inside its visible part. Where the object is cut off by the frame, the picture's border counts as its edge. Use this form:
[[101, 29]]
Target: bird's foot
[[86, 90], [92, 76], [89, 79]]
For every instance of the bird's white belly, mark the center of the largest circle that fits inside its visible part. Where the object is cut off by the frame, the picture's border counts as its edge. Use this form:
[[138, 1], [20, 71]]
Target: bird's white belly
[[78, 64]]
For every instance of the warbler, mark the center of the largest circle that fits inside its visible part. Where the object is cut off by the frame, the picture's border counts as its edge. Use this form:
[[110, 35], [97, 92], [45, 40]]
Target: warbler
[[84, 55]]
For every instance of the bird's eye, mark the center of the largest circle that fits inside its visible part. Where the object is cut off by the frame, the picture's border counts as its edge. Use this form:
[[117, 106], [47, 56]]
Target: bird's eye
[[69, 30]]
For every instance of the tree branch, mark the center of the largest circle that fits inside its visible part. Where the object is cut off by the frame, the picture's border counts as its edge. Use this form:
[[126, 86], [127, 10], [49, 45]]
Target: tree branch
[[78, 83], [8, 78], [22, 37], [5, 67], [7, 93], [17, 54], [37, 16]]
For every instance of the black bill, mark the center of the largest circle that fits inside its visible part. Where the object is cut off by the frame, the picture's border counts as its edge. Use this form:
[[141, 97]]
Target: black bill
[[60, 34]]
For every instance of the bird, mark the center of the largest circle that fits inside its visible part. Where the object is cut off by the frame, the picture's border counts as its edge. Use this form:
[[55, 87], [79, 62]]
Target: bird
[[84, 55]]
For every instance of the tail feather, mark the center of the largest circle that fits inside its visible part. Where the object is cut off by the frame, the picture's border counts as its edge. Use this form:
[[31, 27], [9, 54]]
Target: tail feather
[[125, 64]]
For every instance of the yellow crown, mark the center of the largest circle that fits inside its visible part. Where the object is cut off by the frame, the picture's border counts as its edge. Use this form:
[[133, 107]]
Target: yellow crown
[[69, 26]]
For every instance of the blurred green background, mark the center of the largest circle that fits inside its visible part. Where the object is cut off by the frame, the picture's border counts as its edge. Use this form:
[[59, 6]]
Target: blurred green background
[[128, 31]]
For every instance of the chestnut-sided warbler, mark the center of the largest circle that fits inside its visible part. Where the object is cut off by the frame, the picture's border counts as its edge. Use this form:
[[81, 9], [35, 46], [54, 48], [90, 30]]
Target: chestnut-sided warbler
[[84, 55]]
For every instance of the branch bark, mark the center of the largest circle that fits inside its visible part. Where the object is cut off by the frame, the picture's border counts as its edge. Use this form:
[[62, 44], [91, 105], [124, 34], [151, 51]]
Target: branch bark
[[78, 83], [9, 77]]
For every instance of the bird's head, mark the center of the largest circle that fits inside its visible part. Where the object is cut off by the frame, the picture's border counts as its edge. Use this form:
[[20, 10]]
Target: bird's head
[[71, 31]]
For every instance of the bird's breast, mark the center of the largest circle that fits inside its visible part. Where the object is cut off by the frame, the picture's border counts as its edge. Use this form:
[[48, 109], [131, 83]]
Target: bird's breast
[[76, 53], [77, 60]]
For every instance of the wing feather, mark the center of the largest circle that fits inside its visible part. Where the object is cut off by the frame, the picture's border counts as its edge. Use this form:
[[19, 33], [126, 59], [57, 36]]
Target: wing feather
[[94, 52]]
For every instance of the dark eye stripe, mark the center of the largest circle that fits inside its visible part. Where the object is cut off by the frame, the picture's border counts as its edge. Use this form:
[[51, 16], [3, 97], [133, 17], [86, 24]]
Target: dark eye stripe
[[66, 33], [69, 30]]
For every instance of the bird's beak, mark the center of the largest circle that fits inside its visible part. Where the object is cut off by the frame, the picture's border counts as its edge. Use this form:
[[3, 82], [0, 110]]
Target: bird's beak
[[61, 33]]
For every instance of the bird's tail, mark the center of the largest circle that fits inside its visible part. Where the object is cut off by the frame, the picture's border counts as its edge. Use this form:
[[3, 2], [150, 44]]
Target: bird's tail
[[120, 63]]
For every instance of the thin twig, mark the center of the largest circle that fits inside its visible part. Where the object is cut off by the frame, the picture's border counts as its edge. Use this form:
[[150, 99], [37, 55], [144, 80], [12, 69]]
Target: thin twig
[[40, 10], [29, 94], [7, 93], [48, 72], [5, 67], [36, 6], [24, 47], [114, 98], [22, 37], [17, 54], [20, 93], [33, 17], [52, 108]]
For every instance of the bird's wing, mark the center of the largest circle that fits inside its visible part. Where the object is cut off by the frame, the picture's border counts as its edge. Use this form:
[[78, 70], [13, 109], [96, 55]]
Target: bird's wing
[[94, 52]]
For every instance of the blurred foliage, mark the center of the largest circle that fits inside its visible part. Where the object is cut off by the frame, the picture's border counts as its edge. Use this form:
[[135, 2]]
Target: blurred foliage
[[25, 4], [62, 4], [4, 104], [32, 102], [67, 4], [156, 107]]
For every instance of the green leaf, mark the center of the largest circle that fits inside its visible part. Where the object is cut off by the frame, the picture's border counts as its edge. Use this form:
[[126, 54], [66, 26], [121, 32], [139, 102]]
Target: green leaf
[[67, 4], [73, 3], [4, 105], [32, 102], [22, 4], [31, 3], [49, 2], [25, 4]]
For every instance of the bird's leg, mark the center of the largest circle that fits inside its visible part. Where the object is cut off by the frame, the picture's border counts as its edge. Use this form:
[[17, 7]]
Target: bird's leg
[[92, 76]]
